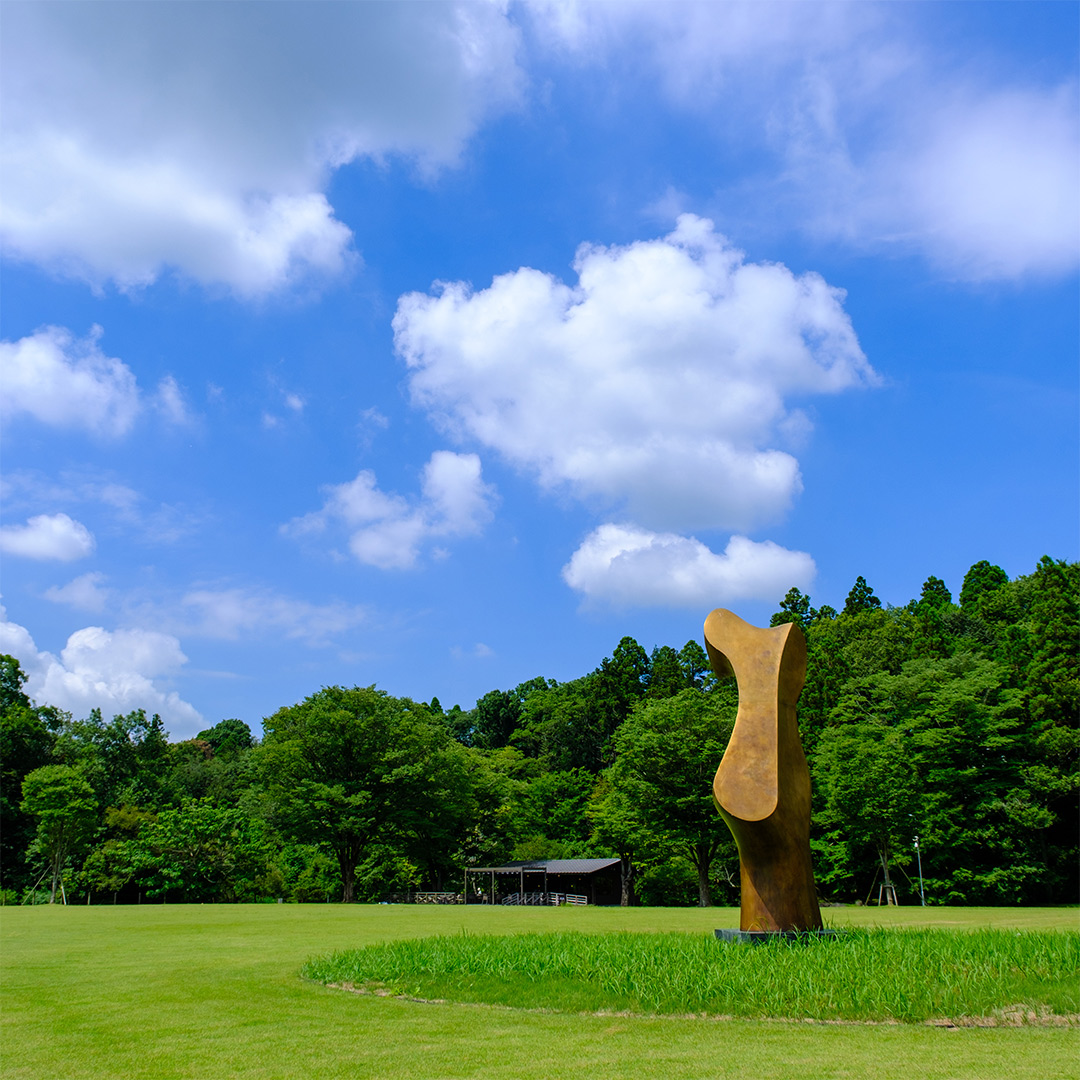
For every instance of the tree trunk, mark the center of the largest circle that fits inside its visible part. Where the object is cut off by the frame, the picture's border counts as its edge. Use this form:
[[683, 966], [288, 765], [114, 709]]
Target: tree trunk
[[626, 865], [55, 878], [348, 855], [890, 891], [703, 864]]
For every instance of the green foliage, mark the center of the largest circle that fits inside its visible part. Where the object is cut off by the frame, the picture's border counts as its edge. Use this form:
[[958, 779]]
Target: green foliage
[[667, 753], [228, 737], [981, 579], [26, 740], [352, 769], [666, 675], [199, 852], [794, 608], [861, 598], [495, 718], [956, 722], [553, 806], [935, 596], [63, 804]]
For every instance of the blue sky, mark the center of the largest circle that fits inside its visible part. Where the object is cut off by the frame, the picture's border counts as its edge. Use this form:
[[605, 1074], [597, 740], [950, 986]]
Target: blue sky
[[440, 346]]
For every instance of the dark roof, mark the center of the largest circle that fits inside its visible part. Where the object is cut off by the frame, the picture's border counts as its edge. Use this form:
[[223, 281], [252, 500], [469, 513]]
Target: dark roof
[[552, 866], [579, 866]]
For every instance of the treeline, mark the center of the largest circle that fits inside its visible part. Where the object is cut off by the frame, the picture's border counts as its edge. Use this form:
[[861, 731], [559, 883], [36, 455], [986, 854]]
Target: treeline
[[952, 721]]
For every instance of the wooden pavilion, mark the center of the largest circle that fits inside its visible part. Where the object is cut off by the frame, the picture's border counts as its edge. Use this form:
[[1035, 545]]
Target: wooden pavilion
[[547, 881]]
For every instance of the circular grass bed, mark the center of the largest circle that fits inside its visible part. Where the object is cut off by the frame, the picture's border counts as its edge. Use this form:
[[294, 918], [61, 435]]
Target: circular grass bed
[[909, 976]]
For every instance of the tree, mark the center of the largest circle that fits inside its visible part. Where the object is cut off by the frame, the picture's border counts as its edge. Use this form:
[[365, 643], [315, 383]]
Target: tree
[[667, 755], [1052, 684], [617, 826], [981, 579], [495, 718], [199, 852], [228, 737], [353, 768], [861, 598], [66, 811], [125, 760], [666, 675], [697, 672], [870, 788], [26, 740], [795, 607], [932, 637], [115, 862], [550, 814], [935, 596]]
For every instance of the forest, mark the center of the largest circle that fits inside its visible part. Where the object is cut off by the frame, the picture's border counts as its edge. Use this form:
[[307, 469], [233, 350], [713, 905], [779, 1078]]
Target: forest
[[947, 723]]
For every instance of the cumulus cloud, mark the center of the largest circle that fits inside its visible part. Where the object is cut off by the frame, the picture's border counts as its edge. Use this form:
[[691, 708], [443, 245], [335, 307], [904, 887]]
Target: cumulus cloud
[[656, 384], [140, 137], [113, 671], [47, 536], [879, 138], [388, 530], [626, 566], [84, 593], [67, 382], [232, 613]]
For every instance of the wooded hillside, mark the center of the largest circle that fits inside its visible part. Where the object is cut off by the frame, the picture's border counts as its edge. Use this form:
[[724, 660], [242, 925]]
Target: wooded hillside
[[953, 720]]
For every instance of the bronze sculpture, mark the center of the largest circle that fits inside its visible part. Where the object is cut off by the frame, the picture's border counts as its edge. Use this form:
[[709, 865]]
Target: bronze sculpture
[[762, 787]]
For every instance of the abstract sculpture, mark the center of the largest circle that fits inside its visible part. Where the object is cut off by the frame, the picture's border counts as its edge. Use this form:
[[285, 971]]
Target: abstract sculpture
[[762, 787]]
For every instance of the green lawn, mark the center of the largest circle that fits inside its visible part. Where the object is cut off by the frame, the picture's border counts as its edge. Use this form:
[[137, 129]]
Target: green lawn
[[213, 992]]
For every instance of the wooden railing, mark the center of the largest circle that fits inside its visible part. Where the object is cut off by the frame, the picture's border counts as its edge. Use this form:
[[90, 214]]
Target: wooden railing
[[542, 898]]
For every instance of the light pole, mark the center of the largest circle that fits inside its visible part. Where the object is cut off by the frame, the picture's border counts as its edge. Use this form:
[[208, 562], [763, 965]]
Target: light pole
[[918, 855]]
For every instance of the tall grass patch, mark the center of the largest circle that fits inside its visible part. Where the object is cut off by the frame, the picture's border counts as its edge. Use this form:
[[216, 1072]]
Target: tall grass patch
[[863, 975]]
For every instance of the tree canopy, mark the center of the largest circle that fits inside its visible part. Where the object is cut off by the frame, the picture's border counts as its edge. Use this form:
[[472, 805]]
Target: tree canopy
[[953, 721]]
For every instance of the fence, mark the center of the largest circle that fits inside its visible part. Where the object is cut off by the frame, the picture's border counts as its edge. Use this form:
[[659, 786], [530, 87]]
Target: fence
[[541, 898], [535, 899]]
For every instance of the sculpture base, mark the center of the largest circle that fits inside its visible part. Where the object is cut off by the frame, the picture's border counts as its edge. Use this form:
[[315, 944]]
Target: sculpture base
[[756, 937]]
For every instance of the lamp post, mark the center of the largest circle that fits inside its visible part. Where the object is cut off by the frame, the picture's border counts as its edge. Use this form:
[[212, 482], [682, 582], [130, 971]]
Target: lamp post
[[918, 855]]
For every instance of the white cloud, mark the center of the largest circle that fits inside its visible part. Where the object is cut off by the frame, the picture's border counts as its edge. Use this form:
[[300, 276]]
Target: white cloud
[[218, 613], [880, 138], [387, 530], [170, 401], [479, 651], [200, 137], [236, 612], [163, 524], [114, 671], [457, 501], [657, 383], [47, 536], [84, 593], [626, 566], [993, 187], [69, 382]]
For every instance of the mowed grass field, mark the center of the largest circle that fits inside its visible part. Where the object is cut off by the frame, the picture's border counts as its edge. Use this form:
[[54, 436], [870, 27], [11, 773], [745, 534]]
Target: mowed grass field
[[214, 992]]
